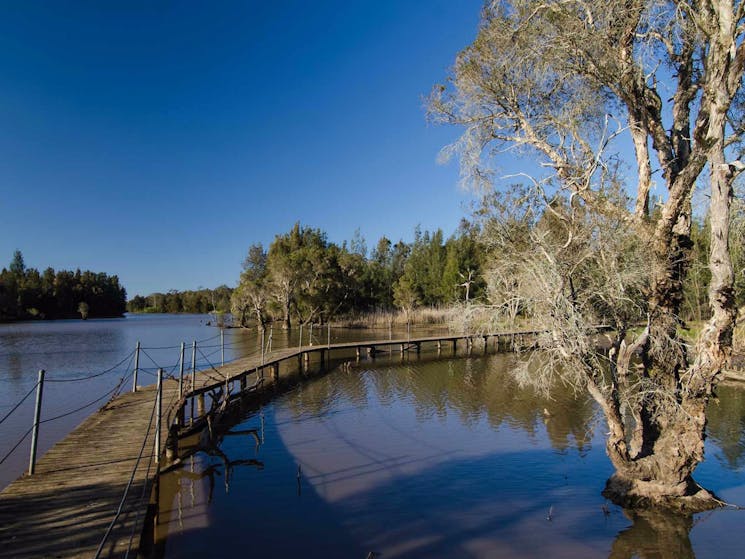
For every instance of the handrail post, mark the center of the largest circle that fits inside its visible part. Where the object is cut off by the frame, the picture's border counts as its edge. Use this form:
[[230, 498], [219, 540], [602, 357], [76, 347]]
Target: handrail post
[[193, 377], [222, 346], [137, 367], [193, 364], [181, 372], [300, 339], [263, 333], [37, 416], [158, 415], [328, 338]]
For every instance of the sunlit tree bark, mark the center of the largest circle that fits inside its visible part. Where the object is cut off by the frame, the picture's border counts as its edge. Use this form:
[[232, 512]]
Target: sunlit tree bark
[[559, 81]]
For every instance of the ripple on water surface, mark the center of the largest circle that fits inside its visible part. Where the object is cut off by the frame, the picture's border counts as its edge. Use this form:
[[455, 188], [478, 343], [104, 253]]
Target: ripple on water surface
[[446, 458]]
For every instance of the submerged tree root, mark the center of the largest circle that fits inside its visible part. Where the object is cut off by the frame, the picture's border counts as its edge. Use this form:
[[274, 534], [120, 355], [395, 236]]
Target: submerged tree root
[[687, 497]]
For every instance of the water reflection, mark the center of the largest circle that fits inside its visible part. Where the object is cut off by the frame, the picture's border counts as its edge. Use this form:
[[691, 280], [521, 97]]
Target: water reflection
[[473, 389], [439, 458], [726, 423], [654, 535]]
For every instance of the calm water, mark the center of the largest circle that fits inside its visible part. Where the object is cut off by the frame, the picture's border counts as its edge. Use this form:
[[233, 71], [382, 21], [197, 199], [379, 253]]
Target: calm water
[[432, 458], [76, 349]]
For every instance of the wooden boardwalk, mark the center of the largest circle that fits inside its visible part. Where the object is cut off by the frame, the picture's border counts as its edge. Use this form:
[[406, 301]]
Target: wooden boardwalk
[[66, 507]]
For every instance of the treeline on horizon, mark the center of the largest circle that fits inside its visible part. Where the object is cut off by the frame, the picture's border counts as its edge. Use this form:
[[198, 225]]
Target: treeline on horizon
[[26, 293], [303, 277], [200, 301]]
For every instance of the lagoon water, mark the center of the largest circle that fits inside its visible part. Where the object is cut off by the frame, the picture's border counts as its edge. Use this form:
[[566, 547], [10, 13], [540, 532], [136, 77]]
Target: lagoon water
[[77, 349], [85, 362], [425, 457], [432, 458]]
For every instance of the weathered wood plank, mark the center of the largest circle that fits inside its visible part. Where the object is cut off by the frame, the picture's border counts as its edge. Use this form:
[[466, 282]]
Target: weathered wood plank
[[65, 508]]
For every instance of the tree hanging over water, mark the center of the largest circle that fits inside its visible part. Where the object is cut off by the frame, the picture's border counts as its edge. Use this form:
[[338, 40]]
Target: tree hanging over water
[[561, 82]]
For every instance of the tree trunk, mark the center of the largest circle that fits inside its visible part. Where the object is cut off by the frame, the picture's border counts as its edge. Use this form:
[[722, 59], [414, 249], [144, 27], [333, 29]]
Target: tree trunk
[[287, 321], [660, 475]]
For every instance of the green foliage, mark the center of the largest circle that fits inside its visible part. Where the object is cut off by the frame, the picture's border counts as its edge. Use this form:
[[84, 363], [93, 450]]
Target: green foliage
[[25, 293], [199, 301], [305, 278]]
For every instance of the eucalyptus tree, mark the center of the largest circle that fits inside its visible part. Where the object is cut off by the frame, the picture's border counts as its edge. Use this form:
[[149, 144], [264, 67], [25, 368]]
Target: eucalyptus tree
[[561, 81], [251, 296]]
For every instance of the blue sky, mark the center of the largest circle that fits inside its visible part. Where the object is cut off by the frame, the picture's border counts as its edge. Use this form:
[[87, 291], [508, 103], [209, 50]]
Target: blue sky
[[158, 140]]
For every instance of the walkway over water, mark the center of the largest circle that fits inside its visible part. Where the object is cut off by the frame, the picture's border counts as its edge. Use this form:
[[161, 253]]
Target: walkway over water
[[90, 493]]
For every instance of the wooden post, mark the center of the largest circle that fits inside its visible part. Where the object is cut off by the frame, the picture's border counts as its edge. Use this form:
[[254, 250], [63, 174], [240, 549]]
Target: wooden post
[[172, 443], [222, 346], [328, 337], [418, 348], [137, 367], [300, 338], [37, 417], [323, 358], [402, 349], [158, 415], [310, 336], [357, 352], [263, 332], [455, 346], [275, 371], [181, 372], [193, 365], [193, 375]]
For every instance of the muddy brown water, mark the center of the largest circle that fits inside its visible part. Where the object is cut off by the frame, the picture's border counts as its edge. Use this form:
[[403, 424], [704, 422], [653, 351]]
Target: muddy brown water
[[432, 458]]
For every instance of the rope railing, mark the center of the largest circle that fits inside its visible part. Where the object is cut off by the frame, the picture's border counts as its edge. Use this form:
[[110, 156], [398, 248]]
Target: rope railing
[[89, 404], [170, 371], [18, 405], [123, 499], [206, 353], [12, 450], [36, 387], [129, 356]]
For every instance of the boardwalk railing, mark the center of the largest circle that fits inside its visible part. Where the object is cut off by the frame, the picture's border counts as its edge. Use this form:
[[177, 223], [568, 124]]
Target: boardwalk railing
[[107, 492]]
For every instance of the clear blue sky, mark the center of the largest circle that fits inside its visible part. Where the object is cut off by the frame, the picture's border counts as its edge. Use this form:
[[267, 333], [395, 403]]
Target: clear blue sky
[[158, 140]]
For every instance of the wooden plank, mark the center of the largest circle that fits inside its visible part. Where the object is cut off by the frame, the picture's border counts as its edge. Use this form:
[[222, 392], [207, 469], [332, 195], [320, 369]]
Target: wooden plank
[[65, 508]]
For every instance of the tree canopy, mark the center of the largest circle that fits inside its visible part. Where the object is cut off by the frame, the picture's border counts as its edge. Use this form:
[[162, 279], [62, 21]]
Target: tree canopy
[[26, 294], [304, 278], [561, 83]]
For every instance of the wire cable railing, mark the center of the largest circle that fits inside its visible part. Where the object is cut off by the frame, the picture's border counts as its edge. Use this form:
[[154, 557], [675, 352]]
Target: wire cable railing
[[123, 499], [18, 405]]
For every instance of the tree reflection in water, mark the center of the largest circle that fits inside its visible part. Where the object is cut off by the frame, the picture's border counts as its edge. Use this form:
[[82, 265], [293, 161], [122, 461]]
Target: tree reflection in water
[[450, 431], [725, 423], [654, 535]]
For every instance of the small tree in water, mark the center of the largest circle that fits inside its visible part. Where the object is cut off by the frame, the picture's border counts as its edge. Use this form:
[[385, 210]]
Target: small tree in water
[[560, 81]]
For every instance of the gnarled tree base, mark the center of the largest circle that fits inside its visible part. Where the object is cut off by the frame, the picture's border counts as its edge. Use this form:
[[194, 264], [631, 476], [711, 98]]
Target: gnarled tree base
[[687, 497]]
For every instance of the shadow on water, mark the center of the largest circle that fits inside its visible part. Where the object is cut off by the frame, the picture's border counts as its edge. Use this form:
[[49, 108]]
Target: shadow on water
[[205, 510], [426, 458]]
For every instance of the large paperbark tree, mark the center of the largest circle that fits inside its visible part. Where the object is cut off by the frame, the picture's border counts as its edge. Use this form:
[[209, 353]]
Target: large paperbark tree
[[563, 81]]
